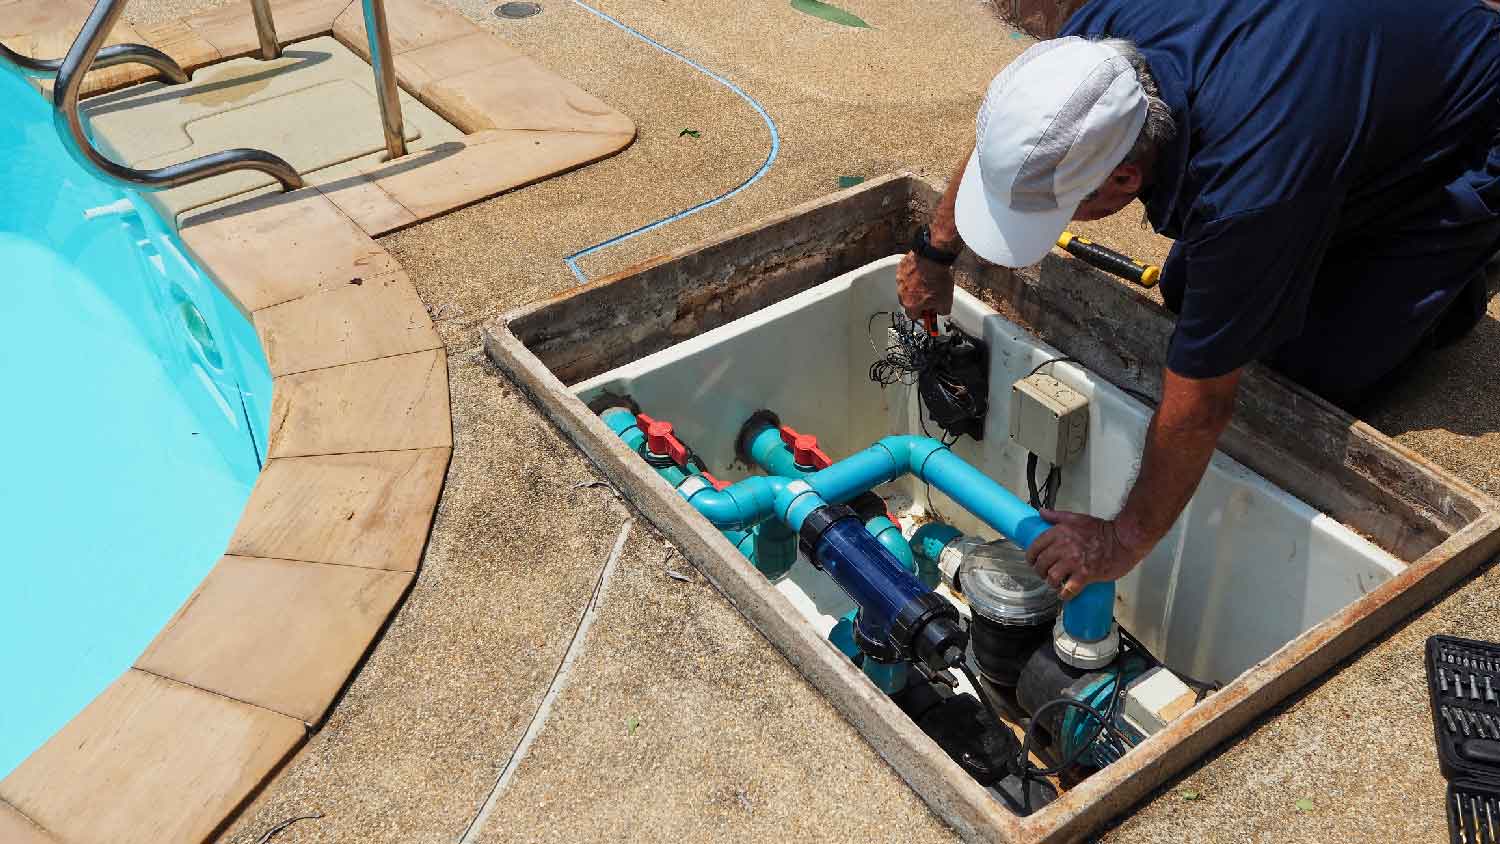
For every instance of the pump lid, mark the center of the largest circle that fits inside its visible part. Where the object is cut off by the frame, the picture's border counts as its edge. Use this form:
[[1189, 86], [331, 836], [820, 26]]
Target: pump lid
[[999, 584]]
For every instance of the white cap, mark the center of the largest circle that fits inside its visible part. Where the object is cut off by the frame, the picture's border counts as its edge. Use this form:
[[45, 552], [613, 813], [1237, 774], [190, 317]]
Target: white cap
[[1054, 124]]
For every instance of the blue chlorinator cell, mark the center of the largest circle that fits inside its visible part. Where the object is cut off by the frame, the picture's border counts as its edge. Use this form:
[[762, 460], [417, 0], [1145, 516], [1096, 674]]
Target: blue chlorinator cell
[[137, 399]]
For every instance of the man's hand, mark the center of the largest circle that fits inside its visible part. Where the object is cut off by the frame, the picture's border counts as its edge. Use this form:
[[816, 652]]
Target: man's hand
[[1080, 550], [924, 286], [1179, 443]]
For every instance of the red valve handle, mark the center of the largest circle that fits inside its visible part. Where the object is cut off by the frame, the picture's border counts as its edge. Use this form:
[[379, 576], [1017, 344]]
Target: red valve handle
[[661, 441], [805, 451]]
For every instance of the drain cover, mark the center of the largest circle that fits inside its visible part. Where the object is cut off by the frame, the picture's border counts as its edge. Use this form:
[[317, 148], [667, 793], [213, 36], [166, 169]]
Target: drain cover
[[517, 10]]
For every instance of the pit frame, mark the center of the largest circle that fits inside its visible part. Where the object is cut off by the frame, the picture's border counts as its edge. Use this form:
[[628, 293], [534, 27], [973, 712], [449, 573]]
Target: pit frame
[[1440, 526]]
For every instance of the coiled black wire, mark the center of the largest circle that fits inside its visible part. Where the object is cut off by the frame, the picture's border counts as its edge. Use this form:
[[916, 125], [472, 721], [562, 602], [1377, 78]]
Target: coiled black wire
[[913, 355]]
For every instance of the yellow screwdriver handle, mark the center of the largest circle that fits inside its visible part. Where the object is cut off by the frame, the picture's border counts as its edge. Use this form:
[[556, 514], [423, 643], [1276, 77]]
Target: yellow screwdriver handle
[[1104, 258]]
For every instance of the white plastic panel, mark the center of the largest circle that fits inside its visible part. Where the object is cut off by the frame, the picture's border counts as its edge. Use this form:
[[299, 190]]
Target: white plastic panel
[[1246, 568]]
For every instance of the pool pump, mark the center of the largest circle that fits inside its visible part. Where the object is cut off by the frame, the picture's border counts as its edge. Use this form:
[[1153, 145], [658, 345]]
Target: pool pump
[[1057, 661]]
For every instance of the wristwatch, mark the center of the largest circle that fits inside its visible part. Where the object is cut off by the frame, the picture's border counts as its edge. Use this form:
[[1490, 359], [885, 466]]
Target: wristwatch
[[921, 243]]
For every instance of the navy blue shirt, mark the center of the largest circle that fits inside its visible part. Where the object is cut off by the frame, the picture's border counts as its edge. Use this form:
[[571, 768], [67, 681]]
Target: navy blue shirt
[[1304, 130]]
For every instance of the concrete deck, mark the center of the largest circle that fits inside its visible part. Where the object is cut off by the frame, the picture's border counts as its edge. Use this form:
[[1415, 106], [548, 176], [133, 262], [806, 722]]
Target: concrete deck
[[677, 721], [1358, 744]]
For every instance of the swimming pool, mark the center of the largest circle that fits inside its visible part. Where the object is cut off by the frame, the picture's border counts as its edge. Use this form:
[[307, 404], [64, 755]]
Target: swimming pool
[[137, 398]]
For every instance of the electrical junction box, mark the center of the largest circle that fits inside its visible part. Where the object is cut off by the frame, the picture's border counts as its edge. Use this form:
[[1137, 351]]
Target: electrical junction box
[[1156, 699], [1048, 418]]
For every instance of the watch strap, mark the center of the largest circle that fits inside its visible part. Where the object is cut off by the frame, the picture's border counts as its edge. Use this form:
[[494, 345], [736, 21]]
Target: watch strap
[[922, 245]]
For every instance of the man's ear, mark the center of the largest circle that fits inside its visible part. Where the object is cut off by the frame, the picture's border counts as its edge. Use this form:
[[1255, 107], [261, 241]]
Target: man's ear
[[1128, 177]]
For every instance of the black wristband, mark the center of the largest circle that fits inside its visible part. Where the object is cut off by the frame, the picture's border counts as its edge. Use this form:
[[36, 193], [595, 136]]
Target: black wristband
[[921, 243]]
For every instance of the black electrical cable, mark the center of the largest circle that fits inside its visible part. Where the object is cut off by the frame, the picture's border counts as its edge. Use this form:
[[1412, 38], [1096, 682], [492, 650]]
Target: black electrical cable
[[1031, 488], [1202, 689], [1045, 493], [1048, 362], [915, 355], [1137, 394], [1102, 724]]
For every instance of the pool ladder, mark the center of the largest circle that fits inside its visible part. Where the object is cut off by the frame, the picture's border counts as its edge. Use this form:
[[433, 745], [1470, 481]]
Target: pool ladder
[[88, 53]]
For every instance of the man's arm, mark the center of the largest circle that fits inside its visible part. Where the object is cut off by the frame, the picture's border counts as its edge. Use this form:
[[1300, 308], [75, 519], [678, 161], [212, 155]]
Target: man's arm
[[1181, 438], [925, 286]]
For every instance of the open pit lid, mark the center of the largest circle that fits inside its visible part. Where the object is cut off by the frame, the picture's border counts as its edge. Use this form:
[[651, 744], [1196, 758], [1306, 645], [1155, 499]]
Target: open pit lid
[[999, 584]]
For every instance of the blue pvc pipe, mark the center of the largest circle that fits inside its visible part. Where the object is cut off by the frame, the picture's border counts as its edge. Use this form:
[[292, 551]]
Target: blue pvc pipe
[[622, 422], [1091, 613], [1087, 617], [889, 677], [927, 543], [929, 540], [753, 499], [775, 549], [992, 503], [888, 534], [842, 635], [770, 452]]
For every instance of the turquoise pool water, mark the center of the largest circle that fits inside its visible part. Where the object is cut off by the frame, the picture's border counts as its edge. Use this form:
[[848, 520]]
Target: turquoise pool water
[[136, 402]]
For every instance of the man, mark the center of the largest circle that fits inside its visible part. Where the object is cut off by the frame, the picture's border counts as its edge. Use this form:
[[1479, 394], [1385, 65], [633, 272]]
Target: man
[[1328, 171]]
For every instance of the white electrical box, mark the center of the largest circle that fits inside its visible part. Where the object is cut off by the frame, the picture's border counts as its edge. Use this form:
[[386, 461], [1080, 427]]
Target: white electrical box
[[1156, 699], [1048, 418]]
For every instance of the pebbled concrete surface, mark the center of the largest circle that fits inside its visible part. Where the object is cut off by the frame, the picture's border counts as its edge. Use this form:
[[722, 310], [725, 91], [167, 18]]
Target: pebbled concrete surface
[[730, 744]]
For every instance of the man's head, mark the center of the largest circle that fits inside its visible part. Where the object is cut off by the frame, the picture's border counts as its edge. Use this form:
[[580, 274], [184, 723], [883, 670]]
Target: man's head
[[1068, 131]]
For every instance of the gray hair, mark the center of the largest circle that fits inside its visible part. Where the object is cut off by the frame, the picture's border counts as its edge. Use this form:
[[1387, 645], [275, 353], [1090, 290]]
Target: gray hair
[[1159, 127]]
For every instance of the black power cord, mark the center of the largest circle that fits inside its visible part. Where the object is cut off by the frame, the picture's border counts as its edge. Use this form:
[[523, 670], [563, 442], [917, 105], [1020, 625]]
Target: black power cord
[[1199, 687], [1045, 494]]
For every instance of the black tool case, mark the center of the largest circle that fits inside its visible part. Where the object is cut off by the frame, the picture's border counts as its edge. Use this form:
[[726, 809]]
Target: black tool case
[[1463, 684]]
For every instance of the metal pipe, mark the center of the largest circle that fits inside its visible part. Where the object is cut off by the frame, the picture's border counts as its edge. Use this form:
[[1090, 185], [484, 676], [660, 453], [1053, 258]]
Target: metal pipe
[[115, 54], [69, 123], [265, 29], [385, 77]]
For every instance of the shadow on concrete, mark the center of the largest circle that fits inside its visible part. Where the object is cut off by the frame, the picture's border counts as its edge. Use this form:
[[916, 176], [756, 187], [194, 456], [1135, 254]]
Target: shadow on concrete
[[258, 198], [150, 93], [1449, 388]]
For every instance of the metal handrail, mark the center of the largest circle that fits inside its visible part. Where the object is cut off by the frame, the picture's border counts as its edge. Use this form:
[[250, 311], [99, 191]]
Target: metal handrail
[[265, 29], [69, 122], [88, 52], [115, 54], [386, 92]]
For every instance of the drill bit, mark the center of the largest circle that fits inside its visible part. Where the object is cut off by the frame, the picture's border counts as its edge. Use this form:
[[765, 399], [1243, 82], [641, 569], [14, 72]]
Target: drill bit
[[1448, 719], [1463, 722]]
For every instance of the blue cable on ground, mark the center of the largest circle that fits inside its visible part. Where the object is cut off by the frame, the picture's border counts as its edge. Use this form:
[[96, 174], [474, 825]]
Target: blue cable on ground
[[572, 260]]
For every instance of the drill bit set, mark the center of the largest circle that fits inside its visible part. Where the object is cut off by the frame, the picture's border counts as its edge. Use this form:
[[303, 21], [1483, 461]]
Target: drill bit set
[[1462, 679]]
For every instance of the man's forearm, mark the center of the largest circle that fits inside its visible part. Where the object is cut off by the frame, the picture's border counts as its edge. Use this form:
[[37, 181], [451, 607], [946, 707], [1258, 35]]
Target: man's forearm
[[1180, 441], [943, 227]]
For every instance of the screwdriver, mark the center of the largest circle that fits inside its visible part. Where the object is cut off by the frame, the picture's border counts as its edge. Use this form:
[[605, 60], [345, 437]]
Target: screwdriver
[[1104, 258]]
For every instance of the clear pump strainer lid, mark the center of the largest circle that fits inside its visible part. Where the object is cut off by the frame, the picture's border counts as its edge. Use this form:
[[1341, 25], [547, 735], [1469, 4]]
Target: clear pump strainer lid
[[999, 584]]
